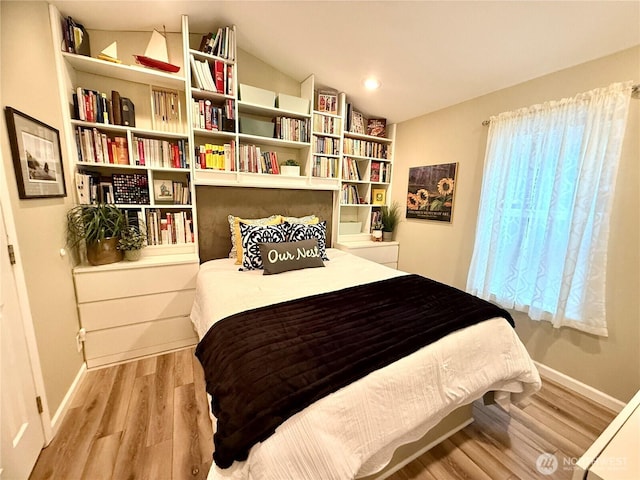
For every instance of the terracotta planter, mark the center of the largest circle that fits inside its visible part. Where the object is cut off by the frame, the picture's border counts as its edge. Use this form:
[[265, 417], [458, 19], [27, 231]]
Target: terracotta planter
[[104, 251]]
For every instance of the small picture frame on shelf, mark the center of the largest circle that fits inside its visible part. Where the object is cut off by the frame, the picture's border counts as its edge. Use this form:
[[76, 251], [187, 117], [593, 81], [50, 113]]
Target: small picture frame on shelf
[[378, 196], [377, 127], [162, 190], [37, 156], [328, 101]]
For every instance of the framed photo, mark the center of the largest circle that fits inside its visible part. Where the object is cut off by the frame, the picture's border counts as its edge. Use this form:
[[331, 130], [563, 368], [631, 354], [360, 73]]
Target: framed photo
[[328, 101], [37, 156], [162, 190], [378, 196], [431, 191]]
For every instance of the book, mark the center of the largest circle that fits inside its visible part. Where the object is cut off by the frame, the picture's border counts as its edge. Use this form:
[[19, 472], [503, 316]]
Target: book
[[376, 127], [76, 38], [128, 112], [375, 171], [357, 122], [195, 72], [219, 76], [115, 107]]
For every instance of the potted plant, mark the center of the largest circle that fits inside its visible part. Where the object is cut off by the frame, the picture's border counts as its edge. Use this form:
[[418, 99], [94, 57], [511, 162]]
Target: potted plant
[[390, 217], [132, 241], [98, 227], [290, 167]]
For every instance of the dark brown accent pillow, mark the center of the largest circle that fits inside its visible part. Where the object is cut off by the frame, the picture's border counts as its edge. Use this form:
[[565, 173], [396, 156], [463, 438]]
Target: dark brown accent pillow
[[286, 256]]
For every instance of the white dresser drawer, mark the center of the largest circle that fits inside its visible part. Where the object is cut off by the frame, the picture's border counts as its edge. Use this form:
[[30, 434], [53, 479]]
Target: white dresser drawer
[[98, 285], [384, 254], [130, 310], [130, 341], [379, 252]]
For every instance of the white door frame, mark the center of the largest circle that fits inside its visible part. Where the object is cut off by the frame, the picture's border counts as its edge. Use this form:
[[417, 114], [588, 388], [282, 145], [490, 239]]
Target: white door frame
[[23, 300]]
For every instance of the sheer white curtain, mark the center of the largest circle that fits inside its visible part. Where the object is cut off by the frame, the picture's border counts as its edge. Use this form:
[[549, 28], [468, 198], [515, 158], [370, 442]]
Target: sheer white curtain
[[543, 221]]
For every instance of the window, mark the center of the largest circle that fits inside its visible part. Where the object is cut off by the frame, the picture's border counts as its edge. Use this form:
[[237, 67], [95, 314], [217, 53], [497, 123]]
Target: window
[[543, 221]]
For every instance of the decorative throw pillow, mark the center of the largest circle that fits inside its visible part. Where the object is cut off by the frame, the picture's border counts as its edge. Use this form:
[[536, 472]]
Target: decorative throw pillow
[[253, 235], [300, 231], [307, 220], [283, 257], [234, 222]]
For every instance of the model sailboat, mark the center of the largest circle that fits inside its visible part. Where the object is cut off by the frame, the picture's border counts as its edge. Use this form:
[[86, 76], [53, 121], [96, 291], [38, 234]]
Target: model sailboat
[[110, 54], [155, 56]]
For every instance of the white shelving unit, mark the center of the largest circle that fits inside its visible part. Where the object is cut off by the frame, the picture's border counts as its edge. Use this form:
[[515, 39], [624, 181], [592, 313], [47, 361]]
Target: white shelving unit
[[355, 213], [136, 83]]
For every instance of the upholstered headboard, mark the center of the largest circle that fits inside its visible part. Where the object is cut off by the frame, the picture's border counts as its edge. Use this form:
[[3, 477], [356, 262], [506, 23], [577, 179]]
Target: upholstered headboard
[[214, 204]]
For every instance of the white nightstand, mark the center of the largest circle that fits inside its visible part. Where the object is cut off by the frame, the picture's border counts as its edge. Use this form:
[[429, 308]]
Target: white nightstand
[[385, 253], [132, 309]]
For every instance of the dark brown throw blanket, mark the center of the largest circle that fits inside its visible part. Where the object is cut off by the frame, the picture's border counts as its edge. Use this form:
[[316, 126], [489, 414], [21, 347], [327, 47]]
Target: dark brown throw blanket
[[264, 365]]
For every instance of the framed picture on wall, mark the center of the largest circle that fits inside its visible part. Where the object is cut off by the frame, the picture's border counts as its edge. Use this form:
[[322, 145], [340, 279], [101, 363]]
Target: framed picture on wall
[[431, 191], [37, 156]]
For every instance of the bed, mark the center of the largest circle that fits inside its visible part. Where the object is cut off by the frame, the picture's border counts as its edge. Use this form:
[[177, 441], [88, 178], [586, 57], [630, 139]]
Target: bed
[[353, 431]]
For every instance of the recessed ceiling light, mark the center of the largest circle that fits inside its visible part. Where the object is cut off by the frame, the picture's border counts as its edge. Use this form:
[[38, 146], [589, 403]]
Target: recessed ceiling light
[[372, 83]]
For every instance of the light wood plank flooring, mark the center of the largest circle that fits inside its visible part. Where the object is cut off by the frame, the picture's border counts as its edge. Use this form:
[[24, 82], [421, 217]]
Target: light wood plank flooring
[[148, 419]]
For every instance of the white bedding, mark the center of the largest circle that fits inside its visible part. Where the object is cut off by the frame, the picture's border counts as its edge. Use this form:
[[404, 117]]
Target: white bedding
[[355, 430]]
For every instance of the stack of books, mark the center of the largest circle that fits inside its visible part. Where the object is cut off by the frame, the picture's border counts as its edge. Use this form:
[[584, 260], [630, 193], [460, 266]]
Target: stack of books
[[222, 44]]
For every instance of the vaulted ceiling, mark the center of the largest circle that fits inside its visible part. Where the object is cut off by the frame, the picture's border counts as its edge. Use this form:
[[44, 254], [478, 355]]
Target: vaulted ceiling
[[427, 54]]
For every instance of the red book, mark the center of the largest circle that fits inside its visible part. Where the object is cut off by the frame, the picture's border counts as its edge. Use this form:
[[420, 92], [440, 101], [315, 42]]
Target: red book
[[110, 148], [202, 155], [87, 108], [219, 75], [176, 155], [140, 152]]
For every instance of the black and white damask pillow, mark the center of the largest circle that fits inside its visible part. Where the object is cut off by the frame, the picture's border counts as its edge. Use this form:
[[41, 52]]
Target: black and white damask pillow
[[253, 236], [318, 231]]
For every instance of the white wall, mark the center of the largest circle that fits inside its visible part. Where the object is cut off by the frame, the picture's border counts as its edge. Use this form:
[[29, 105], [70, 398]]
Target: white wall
[[28, 83], [443, 251]]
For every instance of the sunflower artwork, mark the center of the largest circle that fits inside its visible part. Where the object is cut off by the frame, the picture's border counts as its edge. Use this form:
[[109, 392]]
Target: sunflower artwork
[[430, 192]]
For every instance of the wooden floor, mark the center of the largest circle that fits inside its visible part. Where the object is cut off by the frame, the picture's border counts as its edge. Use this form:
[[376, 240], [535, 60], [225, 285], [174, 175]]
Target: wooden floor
[[149, 420]]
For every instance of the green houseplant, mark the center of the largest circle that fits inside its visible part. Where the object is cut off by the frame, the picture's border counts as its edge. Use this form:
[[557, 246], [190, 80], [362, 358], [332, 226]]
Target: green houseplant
[[132, 241], [390, 218], [98, 227]]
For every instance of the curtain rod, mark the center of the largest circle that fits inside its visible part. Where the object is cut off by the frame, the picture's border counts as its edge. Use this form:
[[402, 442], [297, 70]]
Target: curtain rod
[[635, 93]]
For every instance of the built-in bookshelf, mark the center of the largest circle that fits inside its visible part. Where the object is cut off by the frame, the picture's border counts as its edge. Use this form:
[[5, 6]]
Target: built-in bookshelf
[[366, 171], [212, 89], [203, 126], [327, 134], [128, 133], [143, 138]]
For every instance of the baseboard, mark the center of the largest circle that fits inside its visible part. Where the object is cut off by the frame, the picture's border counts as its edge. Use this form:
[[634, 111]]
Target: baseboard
[[57, 418], [581, 388]]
